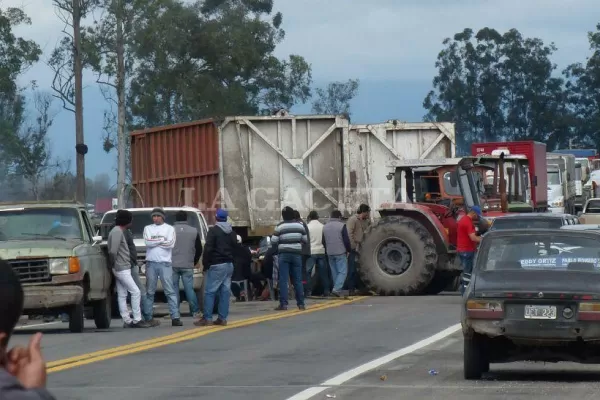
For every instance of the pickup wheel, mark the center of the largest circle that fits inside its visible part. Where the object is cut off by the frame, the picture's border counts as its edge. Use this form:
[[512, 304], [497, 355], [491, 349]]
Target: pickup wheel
[[475, 360], [77, 318], [103, 311]]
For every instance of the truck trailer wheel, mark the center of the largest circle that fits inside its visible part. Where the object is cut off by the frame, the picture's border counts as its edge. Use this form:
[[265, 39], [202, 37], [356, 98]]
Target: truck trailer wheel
[[103, 311], [397, 257]]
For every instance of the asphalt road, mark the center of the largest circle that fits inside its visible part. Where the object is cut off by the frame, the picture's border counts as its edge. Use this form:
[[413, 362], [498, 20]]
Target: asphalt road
[[307, 353]]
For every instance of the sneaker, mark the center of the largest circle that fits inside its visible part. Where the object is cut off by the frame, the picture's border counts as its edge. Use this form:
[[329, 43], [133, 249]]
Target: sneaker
[[153, 322], [196, 315], [127, 325], [281, 308], [302, 308], [336, 294], [203, 322], [140, 324], [220, 321], [176, 322]]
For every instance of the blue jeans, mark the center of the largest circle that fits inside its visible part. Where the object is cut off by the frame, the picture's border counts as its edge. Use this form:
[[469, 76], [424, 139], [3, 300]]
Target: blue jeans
[[290, 265], [218, 280], [466, 262], [321, 262], [164, 271], [339, 270], [187, 276], [135, 274]]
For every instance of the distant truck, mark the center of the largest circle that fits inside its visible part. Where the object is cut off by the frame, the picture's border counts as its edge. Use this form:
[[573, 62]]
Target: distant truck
[[535, 152], [256, 165], [561, 183], [58, 259]]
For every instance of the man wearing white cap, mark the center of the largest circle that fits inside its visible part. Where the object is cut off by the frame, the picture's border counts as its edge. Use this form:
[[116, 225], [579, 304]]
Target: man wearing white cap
[[160, 240]]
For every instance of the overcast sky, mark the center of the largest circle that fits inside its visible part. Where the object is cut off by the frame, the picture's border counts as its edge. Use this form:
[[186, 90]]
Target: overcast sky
[[390, 45]]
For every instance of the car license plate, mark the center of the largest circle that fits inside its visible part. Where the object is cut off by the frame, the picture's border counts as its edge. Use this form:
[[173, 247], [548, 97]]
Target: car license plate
[[540, 312]]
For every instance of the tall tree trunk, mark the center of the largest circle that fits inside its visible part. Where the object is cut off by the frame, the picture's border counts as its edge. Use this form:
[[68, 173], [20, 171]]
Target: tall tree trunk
[[80, 145], [121, 135]]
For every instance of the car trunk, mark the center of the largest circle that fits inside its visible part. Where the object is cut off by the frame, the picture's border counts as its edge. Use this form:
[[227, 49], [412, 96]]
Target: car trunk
[[535, 281]]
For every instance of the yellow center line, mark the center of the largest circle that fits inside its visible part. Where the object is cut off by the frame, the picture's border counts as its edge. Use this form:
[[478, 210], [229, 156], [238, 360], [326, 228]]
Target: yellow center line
[[188, 334]]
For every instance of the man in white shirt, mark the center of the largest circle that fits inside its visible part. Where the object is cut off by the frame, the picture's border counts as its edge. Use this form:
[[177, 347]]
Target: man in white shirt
[[160, 240], [317, 253]]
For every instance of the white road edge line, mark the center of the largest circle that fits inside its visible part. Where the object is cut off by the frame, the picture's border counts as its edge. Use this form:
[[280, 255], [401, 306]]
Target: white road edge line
[[371, 365]]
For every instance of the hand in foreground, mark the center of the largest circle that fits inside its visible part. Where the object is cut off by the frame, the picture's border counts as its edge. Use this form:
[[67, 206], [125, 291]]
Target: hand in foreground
[[27, 364]]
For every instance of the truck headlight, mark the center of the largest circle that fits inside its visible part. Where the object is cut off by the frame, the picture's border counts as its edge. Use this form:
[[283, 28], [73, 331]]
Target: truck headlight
[[64, 266]]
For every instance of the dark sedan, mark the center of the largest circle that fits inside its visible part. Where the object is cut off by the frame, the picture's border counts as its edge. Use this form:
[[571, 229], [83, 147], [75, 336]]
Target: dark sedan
[[534, 296]]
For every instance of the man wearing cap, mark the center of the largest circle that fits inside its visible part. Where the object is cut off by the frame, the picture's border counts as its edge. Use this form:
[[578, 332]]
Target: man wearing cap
[[218, 257], [466, 244], [118, 253], [160, 240]]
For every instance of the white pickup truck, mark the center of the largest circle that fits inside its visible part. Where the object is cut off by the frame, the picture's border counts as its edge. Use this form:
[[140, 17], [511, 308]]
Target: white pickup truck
[[141, 218]]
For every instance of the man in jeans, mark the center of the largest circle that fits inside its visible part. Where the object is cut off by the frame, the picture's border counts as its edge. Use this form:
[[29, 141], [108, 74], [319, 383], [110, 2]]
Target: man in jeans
[[357, 224], [289, 238], [466, 244], [218, 267], [337, 246], [317, 253], [160, 240], [186, 254]]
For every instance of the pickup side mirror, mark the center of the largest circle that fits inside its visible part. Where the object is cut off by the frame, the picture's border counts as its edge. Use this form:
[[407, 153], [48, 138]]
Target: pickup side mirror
[[96, 240]]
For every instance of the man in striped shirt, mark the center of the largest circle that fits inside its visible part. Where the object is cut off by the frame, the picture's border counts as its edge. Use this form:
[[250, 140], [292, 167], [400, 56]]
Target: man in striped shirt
[[289, 238]]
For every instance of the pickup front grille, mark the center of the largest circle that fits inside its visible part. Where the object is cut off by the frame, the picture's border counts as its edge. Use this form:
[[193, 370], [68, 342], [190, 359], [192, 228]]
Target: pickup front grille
[[32, 271]]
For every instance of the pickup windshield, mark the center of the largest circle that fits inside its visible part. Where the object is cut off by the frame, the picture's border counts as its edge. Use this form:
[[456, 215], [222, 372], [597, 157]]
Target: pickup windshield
[[40, 223], [593, 207], [143, 218], [551, 251]]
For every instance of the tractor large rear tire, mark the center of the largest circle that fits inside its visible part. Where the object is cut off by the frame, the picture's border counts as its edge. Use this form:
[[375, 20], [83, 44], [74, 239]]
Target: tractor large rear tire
[[397, 257]]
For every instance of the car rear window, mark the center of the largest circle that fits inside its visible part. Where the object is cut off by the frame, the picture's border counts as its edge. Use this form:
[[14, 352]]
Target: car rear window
[[526, 223], [552, 251], [593, 207]]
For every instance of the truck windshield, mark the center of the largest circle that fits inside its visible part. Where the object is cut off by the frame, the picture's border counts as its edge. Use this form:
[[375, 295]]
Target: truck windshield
[[143, 218], [553, 177], [40, 223]]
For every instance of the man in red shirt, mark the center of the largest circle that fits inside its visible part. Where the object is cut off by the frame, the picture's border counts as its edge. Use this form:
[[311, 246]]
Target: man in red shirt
[[466, 244]]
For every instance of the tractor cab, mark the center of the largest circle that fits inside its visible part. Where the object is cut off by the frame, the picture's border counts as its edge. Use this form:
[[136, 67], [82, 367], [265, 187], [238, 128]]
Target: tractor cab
[[445, 182]]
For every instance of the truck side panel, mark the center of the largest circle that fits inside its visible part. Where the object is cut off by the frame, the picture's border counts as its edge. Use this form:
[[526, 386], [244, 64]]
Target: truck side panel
[[370, 147], [273, 162], [177, 165]]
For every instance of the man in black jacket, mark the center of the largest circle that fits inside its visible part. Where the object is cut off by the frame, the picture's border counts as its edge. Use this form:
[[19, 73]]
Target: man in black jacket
[[218, 269]]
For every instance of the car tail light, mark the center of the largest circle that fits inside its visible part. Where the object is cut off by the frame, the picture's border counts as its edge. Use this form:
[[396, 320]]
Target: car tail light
[[485, 309], [589, 312]]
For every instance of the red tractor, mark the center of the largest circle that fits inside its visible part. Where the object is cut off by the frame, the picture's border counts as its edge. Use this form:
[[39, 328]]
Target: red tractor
[[411, 250]]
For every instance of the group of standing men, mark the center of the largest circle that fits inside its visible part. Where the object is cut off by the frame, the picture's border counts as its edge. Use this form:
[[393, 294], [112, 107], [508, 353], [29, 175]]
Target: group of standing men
[[172, 252], [300, 245]]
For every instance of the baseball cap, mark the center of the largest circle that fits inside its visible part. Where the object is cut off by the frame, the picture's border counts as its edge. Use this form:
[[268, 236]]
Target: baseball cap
[[476, 210]]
